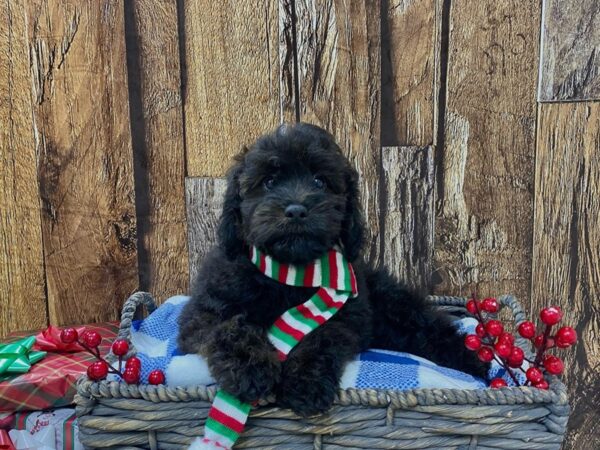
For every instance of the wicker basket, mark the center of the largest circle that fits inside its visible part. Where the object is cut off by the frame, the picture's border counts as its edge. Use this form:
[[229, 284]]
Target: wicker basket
[[117, 415]]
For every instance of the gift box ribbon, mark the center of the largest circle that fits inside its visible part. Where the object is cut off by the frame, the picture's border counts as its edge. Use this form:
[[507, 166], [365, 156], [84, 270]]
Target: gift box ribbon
[[17, 357], [50, 341]]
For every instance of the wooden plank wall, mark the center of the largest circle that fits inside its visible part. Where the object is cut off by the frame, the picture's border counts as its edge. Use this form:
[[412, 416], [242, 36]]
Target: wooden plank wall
[[566, 254], [477, 143], [22, 285], [234, 79], [83, 143], [566, 250], [570, 60], [485, 188], [156, 109], [339, 76]]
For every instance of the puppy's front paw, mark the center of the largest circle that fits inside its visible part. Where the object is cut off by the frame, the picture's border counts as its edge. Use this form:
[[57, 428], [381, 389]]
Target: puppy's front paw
[[248, 381], [243, 361], [307, 390]]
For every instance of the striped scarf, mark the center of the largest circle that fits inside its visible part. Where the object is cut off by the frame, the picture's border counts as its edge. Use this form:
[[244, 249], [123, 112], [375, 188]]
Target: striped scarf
[[334, 276]]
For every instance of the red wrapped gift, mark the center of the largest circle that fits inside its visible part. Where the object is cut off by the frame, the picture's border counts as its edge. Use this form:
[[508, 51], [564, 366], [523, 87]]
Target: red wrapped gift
[[5, 441], [51, 382]]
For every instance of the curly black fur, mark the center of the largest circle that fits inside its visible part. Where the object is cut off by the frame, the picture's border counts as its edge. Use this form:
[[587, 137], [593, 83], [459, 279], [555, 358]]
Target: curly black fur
[[234, 304]]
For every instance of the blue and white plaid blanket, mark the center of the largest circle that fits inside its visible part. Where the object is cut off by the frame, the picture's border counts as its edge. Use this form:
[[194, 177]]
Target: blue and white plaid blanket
[[155, 340]]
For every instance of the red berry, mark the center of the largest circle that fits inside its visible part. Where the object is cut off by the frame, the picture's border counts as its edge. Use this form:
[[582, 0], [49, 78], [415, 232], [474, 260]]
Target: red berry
[[156, 377], [480, 330], [527, 330], [494, 327], [120, 347], [551, 315], [553, 365], [541, 385], [565, 337], [472, 306], [485, 354], [97, 371], [490, 305], [68, 335], [550, 343], [502, 350], [534, 375], [506, 338], [133, 362], [472, 342], [516, 357], [497, 383], [91, 338], [131, 375]]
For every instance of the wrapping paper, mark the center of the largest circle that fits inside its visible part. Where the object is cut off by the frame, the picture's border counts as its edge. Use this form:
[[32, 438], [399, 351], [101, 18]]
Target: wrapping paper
[[43, 440], [5, 441], [51, 382]]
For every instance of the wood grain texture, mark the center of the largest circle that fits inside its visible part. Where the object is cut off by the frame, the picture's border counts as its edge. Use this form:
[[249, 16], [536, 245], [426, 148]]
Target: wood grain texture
[[570, 53], [235, 89], [158, 144], [485, 190], [339, 77], [22, 296], [81, 125], [287, 49], [409, 48], [408, 174], [204, 199], [566, 254]]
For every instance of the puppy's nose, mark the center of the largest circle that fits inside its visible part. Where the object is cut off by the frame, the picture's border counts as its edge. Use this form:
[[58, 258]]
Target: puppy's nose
[[295, 211]]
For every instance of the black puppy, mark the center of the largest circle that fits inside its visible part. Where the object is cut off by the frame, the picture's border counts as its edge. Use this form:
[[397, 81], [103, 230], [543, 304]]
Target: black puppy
[[294, 195]]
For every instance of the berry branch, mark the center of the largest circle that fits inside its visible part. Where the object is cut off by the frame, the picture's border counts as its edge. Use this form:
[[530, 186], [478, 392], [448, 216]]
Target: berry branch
[[493, 343], [90, 341]]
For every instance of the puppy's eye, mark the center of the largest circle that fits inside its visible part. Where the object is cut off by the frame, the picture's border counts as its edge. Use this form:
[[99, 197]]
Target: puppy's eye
[[268, 183], [319, 183]]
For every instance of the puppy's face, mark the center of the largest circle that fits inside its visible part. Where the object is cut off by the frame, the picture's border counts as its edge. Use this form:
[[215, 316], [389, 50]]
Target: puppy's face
[[294, 195]]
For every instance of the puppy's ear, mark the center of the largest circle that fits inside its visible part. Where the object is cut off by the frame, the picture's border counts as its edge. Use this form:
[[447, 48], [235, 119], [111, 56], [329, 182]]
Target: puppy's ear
[[353, 227], [229, 232]]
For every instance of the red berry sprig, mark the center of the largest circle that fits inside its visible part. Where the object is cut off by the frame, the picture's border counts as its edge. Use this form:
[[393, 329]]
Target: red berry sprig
[[492, 342], [90, 340]]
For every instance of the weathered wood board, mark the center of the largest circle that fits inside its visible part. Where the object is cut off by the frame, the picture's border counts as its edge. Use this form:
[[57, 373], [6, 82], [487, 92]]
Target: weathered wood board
[[409, 214], [204, 199], [485, 184], [566, 252], [409, 49], [570, 52], [81, 124], [22, 296], [158, 145], [234, 86], [339, 77]]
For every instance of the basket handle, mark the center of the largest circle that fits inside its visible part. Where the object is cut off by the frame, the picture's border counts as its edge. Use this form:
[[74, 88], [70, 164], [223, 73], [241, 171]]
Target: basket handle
[[129, 309], [505, 300]]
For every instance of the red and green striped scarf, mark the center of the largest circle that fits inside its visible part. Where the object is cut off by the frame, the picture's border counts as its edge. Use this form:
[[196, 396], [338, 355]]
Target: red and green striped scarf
[[334, 275]]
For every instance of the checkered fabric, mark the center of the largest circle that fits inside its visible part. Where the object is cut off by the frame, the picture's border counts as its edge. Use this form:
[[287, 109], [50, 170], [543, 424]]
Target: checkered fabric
[[51, 383]]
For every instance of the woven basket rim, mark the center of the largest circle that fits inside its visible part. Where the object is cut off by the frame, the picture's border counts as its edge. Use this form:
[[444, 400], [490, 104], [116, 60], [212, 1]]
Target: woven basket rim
[[556, 394]]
